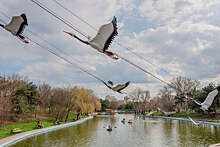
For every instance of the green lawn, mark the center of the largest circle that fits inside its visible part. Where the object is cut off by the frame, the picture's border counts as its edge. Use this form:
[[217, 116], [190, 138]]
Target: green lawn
[[74, 116], [180, 114], [6, 131], [183, 114]]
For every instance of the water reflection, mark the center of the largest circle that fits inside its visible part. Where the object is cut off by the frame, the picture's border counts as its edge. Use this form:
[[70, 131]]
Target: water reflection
[[143, 132]]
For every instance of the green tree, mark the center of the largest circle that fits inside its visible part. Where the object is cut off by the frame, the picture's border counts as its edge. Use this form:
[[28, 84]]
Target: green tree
[[105, 104], [26, 99]]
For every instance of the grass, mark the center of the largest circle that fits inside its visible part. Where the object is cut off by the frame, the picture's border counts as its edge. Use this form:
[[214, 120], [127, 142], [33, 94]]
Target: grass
[[28, 126], [180, 114], [183, 114], [6, 131], [74, 116], [157, 114]]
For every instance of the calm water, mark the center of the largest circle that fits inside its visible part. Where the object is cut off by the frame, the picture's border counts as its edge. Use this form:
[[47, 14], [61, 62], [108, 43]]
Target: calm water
[[144, 132]]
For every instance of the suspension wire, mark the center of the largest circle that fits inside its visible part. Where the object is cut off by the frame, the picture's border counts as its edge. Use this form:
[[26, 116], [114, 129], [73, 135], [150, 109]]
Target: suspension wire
[[74, 14], [114, 53], [128, 61], [99, 79], [141, 57], [118, 43], [56, 54], [59, 17], [64, 59], [3, 21], [4, 14], [52, 45], [83, 34]]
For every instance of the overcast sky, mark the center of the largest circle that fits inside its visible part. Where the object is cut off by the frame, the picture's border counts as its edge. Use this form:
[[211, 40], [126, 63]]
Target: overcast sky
[[181, 37]]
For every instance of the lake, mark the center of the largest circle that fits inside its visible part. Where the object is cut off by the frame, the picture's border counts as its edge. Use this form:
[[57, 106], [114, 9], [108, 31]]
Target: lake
[[143, 132]]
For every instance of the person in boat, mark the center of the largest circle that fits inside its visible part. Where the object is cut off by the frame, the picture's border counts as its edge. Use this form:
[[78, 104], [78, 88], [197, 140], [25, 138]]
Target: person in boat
[[17, 26], [123, 120], [109, 128], [130, 121]]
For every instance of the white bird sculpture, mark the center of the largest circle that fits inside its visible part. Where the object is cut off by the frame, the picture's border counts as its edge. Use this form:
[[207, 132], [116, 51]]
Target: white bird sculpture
[[209, 99], [103, 38], [118, 88], [16, 26]]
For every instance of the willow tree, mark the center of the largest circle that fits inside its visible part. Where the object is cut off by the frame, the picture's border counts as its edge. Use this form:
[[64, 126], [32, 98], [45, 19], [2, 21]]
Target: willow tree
[[85, 102]]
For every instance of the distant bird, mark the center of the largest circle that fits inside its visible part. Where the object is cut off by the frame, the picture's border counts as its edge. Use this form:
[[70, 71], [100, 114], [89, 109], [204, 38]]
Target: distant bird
[[209, 99], [17, 26], [103, 38]]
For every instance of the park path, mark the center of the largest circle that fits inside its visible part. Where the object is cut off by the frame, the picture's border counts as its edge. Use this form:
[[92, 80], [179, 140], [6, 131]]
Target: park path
[[7, 139]]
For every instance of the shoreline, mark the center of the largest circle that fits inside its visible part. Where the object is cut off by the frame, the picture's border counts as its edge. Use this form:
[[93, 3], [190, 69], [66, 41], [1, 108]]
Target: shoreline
[[185, 120], [21, 136], [180, 119], [215, 145]]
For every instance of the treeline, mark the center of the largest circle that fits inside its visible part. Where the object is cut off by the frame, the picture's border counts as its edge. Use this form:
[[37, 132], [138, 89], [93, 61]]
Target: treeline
[[168, 98], [20, 97]]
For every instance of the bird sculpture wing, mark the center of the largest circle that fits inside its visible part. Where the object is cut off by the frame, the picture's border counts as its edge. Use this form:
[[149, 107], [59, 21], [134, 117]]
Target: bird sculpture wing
[[209, 99], [105, 35], [14, 25], [120, 87]]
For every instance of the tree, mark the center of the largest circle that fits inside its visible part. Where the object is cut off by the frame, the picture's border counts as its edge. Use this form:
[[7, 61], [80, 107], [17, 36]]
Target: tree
[[104, 104], [26, 99], [85, 101], [98, 105], [166, 99], [45, 96], [183, 86]]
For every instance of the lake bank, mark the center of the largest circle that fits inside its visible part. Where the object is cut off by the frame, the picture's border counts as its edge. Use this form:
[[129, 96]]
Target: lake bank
[[21, 136]]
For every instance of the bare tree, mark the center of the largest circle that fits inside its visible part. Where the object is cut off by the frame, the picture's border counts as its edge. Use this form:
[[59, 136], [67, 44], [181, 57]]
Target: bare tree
[[184, 85], [140, 100], [45, 96], [166, 99]]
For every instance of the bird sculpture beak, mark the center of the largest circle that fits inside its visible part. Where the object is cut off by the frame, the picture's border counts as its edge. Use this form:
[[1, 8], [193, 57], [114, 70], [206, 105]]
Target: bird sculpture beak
[[68, 33]]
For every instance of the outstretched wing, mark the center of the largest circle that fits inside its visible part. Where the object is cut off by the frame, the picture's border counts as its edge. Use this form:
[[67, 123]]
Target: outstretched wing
[[120, 87], [106, 34], [106, 85], [209, 99], [14, 25]]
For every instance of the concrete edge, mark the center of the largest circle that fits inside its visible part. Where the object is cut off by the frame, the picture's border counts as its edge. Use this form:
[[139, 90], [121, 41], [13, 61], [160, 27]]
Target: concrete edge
[[215, 145], [42, 131], [182, 119]]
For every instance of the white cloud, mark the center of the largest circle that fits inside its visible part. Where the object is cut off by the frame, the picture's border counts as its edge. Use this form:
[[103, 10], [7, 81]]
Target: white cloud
[[180, 36]]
